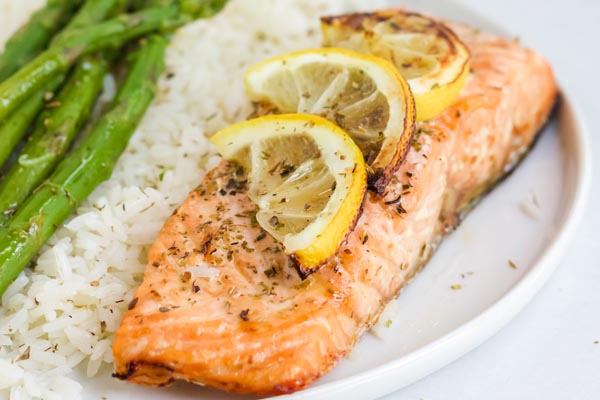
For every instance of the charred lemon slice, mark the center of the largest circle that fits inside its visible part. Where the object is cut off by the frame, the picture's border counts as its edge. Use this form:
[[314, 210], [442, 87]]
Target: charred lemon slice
[[364, 95], [307, 177], [426, 52]]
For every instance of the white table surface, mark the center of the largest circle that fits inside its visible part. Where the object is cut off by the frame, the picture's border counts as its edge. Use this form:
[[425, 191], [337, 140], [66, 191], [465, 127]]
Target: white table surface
[[548, 350]]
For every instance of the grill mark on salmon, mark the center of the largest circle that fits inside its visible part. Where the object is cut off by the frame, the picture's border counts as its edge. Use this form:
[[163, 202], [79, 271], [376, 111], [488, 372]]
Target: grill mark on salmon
[[219, 307]]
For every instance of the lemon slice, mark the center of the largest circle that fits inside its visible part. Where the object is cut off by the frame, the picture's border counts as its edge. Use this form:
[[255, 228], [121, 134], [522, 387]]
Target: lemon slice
[[307, 177], [364, 95], [426, 52]]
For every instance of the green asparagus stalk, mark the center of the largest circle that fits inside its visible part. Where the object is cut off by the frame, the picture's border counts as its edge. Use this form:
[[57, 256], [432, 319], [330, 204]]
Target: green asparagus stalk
[[85, 168], [55, 129], [194, 9], [68, 122], [91, 12], [58, 58], [112, 33], [33, 37], [14, 127]]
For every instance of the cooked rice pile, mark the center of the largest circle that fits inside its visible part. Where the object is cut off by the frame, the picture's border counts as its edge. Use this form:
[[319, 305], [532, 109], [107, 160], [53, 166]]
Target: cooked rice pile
[[62, 313]]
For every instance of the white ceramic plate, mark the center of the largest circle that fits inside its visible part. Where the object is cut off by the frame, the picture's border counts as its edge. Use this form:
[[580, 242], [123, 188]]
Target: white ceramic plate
[[528, 219]]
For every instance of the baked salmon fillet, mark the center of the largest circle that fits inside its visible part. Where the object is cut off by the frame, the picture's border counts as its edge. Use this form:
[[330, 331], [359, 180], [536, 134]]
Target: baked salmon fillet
[[222, 305]]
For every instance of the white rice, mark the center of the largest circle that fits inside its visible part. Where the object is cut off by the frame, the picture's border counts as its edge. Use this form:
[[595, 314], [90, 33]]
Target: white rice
[[62, 313]]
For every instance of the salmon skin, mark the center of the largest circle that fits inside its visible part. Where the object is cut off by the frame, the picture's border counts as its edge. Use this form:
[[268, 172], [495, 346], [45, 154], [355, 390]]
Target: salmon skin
[[221, 304]]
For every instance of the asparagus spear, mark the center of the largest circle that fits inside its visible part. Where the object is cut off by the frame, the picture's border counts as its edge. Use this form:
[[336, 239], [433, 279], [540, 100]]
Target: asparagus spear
[[85, 168], [111, 33], [33, 37], [59, 57], [201, 8], [91, 12], [14, 127], [55, 129]]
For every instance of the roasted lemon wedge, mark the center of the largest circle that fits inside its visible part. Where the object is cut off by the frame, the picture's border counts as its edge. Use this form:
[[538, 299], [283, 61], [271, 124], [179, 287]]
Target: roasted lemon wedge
[[426, 52], [364, 95], [307, 177]]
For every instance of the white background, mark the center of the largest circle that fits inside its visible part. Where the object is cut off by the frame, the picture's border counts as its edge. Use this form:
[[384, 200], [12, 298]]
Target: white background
[[548, 350]]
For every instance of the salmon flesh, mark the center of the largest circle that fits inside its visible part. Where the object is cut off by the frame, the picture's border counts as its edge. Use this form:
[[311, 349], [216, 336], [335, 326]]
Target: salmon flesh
[[222, 305]]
